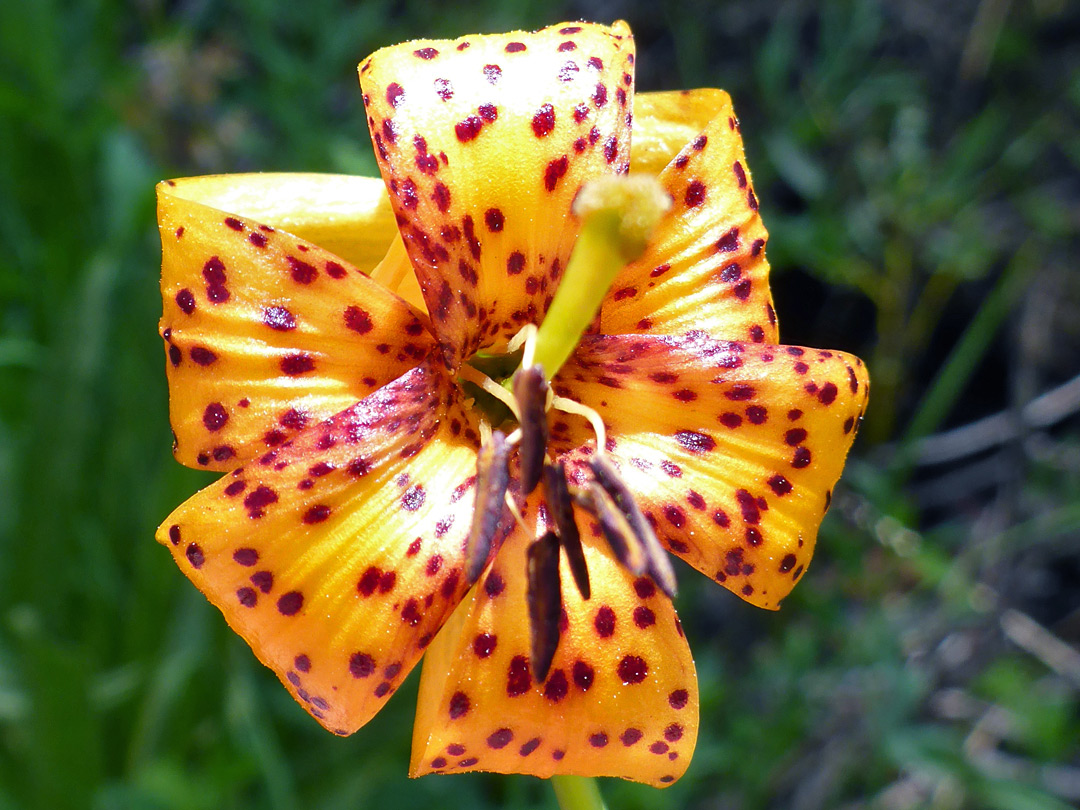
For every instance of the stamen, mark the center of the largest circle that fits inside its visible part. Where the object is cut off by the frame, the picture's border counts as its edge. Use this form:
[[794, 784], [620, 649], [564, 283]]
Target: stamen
[[492, 480], [658, 563], [624, 541], [561, 510], [526, 337], [530, 390], [470, 374], [575, 407], [544, 596]]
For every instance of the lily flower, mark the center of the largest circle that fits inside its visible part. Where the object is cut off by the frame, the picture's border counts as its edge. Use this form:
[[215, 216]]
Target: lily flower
[[342, 349]]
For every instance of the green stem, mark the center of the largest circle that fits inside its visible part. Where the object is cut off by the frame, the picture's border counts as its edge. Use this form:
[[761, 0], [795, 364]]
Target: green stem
[[577, 793]]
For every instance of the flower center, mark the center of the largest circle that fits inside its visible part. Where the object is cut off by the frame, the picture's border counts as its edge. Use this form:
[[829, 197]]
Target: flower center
[[617, 214]]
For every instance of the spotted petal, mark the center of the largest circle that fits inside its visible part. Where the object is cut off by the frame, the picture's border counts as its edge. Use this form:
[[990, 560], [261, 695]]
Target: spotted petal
[[339, 556], [736, 455], [620, 698], [483, 143], [666, 121], [266, 332], [705, 267]]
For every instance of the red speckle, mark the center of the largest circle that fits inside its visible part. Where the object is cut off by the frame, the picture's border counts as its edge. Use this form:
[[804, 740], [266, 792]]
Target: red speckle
[[296, 364], [489, 112], [543, 122], [583, 675], [827, 394], [695, 442], [246, 556], [234, 489], [459, 705], [740, 392], [678, 699], [644, 617], [361, 665], [214, 417], [203, 356], [468, 129], [632, 669], [555, 171], [234, 223], [395, 94], [493, 218], [518, 680], [695, 194], [484, 645], [441, 196], [515, 47], [604, 622], [631, 736], [515, 263], [195, 555], [494, 584], [801, 458], [289, 604], [492, 73], [279, 319], [598, 740], [302, 272], [740, 174], [186, 301], [316, 514], [787, 563], [599, 94], [780, 485], [425, 53], [500, 739]]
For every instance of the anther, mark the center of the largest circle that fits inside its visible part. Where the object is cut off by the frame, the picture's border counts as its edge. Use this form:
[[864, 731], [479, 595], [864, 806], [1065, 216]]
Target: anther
[[617, 529], [658, 565], [561, 510], [492, 480], [544, 596], [531, 390]]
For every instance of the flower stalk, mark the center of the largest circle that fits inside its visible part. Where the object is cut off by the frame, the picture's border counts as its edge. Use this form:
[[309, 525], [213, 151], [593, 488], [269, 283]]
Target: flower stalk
[[577, 793]]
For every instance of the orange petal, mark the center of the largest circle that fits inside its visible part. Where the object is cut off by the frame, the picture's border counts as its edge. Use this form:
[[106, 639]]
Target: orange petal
[[620, 698], [705, 267], [665, 122], [484, 142], [348, 216], [339, 556], [735, 456], [266, 333]]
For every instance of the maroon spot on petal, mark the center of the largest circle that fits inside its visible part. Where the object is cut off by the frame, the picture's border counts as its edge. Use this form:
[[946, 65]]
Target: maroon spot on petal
[[801, 458], [361, 665], [611, 149], [301, 271], [849, 423], [695, 194], [494, 584], [459, 705], [195, 555], [335, 270], [780, 485], [279, 319], [787, 563], [543, 122], [515, 47], [358, 467], [674, 515], [484, 645], [644, 587], [694, 441], [740, 392], [395, 94], [203, 356], [518, 679], [425, 53], [214, 417], [599, 95], [246, 556], [174, 534], [555, 171], [756, 414], [296, 364], [678, 699], [751, 200], [827, 394], [413, 498], [740, 173], [583, 675], [644, 617], [444, 88], [175, 355], [730, 420], [468, 129], [186, 301], [455, 749], [316, 514], [302, 663], [438, 762], [659, 747], [729, 242], [753, 537], [795, 436], [598, 740], [632, 669], [557, 686], [441, 196], [289, 604], [663, 377], [529, 747], [234, 223], [748, 506], [604, 622], [631, 736], [493, 218], [492, 73], [263, 580], [500, 739], [515, 263]]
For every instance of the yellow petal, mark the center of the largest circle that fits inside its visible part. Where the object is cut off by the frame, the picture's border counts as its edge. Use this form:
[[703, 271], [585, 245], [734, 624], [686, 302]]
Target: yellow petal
[[620, 698], [339, 556], [732, 449], [267, 333], [705, 267], [665, 122], [484, 142], [347, 216]]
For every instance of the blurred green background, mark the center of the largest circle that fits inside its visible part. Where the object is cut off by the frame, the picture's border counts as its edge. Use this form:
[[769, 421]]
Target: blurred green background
[[918, 164]]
